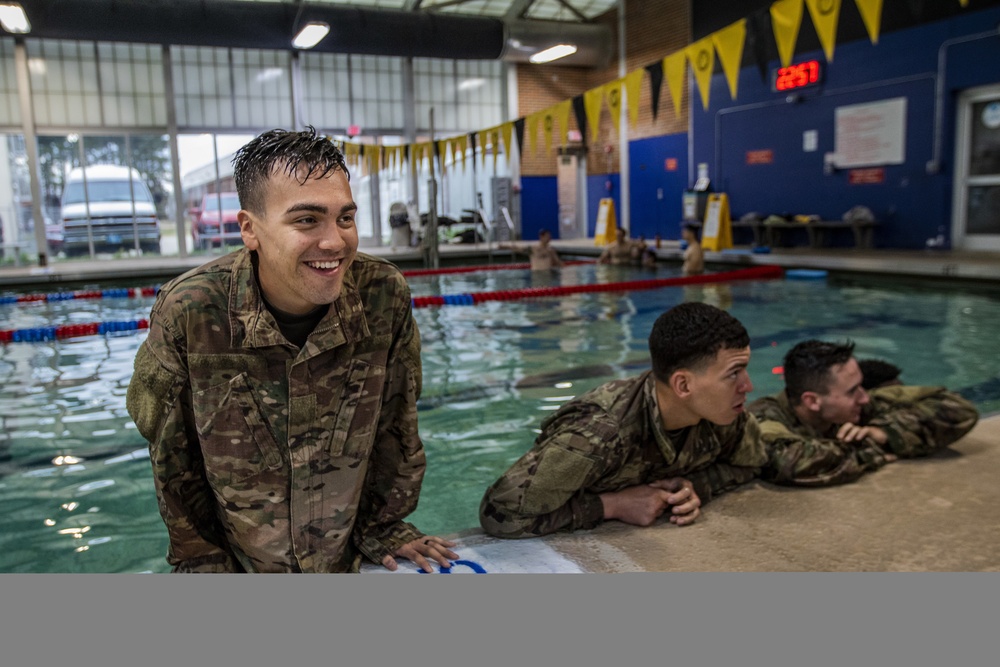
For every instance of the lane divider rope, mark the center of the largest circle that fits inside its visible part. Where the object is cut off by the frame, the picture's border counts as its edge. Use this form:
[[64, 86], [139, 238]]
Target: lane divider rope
[[755, 273], [37, 334], [133, 292]]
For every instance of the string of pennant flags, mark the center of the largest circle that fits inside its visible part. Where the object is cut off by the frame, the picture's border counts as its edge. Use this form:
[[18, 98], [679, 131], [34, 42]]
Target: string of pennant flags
[[782, 19]]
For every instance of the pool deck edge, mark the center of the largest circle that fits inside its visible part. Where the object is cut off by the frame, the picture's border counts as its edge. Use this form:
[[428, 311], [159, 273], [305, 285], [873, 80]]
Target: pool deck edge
[[917, 515]]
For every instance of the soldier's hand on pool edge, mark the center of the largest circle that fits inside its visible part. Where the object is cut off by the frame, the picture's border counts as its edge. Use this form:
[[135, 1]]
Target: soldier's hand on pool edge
[[419, 550]]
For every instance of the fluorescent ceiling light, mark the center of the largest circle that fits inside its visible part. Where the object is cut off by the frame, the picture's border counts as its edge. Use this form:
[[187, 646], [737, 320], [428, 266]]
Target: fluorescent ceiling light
[[553, 53], [471, 84], [13, 19], [310, 35], [269, 74]]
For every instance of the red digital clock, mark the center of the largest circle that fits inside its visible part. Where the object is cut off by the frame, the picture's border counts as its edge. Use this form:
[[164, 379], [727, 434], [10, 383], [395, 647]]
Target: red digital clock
[[792, 77]]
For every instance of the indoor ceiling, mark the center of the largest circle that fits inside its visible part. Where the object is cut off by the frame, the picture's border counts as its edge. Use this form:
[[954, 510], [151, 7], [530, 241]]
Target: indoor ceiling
[[549, 10], [509, 30]]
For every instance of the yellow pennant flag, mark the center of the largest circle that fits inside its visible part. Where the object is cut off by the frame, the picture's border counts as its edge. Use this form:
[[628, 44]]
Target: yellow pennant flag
[[729, 45], [701, 55], [633, 89], [562, 116], [427, 153], [786, 17], [548, 126], [613, 94], [673, 70], [508, 134], [481, 141], [825, 15], [351, 151], [592, 105], [871, 14], [531, 129]]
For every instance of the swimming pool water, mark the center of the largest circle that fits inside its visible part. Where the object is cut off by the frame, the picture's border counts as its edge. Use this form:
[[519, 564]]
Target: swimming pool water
[[75, 484]]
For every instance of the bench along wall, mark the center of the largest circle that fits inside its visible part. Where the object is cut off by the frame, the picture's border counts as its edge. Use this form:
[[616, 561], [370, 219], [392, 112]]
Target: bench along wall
[[765, 129]]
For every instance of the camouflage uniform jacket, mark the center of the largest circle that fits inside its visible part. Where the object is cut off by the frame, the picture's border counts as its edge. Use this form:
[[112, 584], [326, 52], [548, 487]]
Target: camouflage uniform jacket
[[606, 440], [271, 458], [918, 421]]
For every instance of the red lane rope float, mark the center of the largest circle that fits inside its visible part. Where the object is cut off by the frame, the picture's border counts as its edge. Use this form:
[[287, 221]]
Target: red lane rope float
[[115, 293], [491, 267], [754, 273], [37, 334]]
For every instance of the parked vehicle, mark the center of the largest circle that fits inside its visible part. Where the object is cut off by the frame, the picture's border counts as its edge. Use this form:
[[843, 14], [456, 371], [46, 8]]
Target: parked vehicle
[[215, 223], [110, 206]]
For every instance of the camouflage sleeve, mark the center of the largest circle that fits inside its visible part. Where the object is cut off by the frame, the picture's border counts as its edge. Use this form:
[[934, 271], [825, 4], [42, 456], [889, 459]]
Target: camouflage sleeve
[[159, 402], [546, 489], [797, 460], [740, 461], [922, 420], [398, 459]]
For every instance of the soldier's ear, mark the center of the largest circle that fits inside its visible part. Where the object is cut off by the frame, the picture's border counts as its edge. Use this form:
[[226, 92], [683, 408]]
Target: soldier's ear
[[812, 401], [248, 230], [680, 382]]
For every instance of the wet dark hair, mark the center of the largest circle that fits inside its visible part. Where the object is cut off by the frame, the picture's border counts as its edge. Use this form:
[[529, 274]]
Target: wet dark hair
[[303, 155], [689, 335], [877, 372], [693, 229], [807, 366]]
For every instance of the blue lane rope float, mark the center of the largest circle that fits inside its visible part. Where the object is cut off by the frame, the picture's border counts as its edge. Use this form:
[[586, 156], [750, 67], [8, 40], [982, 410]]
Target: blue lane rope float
[[41, 334], [805, 274], [112, 293]]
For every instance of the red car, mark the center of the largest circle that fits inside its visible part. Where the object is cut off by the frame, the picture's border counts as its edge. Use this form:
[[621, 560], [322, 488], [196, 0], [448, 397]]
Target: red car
[[215, 223]]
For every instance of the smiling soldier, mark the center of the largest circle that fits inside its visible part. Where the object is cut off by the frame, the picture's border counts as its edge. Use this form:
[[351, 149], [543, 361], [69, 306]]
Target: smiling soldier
[[278, 385]]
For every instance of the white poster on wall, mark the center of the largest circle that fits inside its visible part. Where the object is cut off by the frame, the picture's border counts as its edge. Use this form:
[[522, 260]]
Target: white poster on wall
[[871, 134]]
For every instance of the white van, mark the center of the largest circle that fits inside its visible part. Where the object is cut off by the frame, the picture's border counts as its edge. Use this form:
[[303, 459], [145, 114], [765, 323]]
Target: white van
[[118, 208]]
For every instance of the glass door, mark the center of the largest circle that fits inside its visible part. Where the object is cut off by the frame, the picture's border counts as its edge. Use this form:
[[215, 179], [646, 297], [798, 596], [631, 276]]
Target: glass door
[[976, 211]]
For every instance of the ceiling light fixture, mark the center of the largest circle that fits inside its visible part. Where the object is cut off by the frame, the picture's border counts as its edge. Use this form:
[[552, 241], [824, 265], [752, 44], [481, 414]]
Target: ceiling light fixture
[[553, 53], [13, 19], [311, 34]]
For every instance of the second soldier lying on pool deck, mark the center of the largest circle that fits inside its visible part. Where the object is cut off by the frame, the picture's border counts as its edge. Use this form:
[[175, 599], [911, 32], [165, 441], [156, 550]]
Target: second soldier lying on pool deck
[[664, 442]]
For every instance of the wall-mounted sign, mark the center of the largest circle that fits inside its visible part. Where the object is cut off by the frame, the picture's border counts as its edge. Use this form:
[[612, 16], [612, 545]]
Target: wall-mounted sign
[[760, 157], [871, 134], [871, 176], [809, 73]]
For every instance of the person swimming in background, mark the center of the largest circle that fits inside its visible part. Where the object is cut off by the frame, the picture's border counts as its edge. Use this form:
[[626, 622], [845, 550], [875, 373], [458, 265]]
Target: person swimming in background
[[694, 257], [543, 256]]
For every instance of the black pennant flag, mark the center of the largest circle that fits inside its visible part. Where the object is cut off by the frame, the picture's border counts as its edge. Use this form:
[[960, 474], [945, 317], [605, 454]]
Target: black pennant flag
[[760, 40], [580, 111], [655, 82], [519, 135]]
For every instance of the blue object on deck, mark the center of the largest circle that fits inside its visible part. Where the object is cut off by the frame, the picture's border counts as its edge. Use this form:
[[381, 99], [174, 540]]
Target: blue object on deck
[[761, 250], [805, 274]]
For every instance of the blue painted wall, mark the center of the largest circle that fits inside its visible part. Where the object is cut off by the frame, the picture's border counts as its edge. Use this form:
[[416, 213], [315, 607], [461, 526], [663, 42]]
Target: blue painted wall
[[914, 201], [539, 206], [656, 194]]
